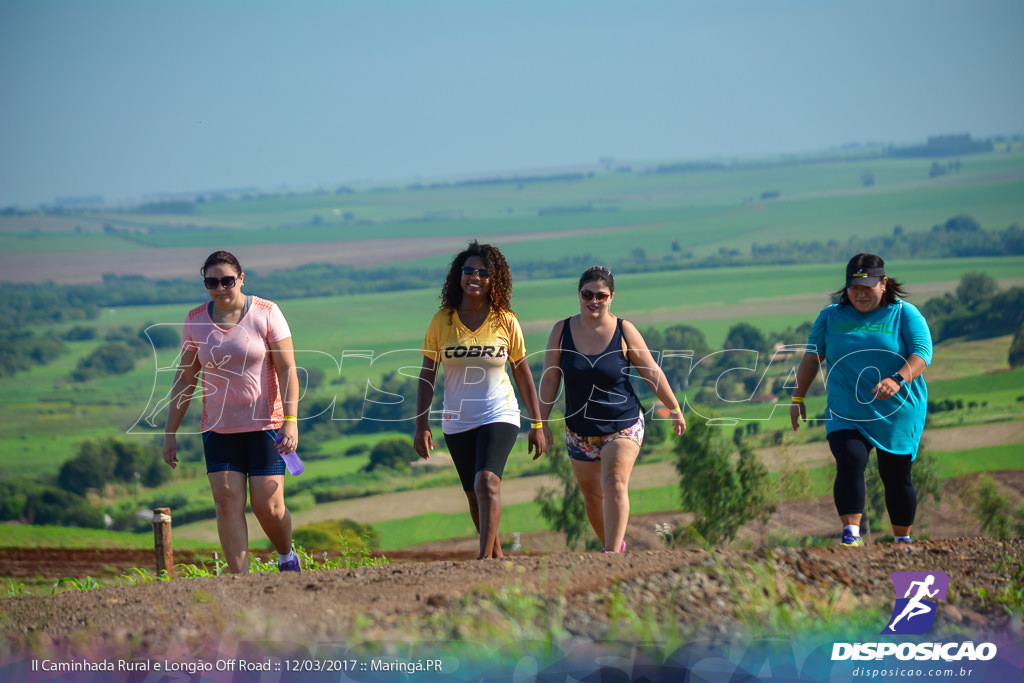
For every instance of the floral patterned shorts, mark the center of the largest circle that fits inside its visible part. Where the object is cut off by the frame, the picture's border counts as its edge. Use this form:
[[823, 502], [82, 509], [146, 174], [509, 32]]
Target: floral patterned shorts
[[588, 448]]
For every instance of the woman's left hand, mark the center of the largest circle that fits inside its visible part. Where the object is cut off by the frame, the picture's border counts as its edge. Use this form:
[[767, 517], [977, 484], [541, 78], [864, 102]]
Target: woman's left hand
[[288, 437], [538, 445], [886, 389]]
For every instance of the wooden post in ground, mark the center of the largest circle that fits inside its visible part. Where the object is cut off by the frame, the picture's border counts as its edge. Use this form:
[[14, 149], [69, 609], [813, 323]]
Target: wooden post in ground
[[162, 541]]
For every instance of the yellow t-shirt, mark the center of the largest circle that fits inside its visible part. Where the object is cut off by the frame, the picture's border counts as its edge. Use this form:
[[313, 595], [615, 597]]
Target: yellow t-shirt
[[477, 389]]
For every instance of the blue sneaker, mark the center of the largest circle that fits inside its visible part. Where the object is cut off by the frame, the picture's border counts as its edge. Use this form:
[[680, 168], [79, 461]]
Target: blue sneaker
[[851, 541], [291, 565]]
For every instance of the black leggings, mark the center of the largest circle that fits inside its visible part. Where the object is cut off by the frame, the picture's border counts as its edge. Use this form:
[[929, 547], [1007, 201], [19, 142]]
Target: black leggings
[[850, 449], [482, 448]]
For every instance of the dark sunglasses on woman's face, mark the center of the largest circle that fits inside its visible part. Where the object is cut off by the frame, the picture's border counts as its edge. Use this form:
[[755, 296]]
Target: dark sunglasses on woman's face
[[227, 282], [588, 295], [482, 272]]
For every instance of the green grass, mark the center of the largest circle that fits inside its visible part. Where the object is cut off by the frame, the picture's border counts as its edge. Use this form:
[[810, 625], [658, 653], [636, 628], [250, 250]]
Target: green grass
[[30, 536], [1007, 386]]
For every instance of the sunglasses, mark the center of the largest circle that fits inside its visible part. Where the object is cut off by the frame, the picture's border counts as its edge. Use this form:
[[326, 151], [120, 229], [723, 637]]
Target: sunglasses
[[588, 295], [227, 282], [482, 272]]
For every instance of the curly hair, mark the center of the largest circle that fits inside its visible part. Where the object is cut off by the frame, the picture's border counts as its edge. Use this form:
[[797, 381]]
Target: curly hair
[[500, 280], [893, 289]]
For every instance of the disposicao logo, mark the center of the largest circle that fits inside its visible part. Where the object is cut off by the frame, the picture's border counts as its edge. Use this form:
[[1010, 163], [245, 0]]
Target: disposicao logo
[[917, 598], [914, 612]]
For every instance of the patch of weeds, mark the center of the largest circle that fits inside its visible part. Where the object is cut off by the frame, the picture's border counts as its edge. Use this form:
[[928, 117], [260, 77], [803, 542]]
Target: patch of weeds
[[505, 615], [350, 555], [1011, 597], [86, 584], [196, 571], [510, 616], [136, 576], [657, 626], [256, 564], [781, 538], [771, 604], [683, 537], [16, 589]]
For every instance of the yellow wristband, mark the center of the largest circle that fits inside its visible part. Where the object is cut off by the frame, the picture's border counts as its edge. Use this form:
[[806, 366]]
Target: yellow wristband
[[290, 418], [536, 425], [797, 399], [675, 411]]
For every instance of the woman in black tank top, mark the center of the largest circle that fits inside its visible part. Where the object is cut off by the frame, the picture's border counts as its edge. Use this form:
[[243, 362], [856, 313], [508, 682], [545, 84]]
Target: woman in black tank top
[[604, 422]]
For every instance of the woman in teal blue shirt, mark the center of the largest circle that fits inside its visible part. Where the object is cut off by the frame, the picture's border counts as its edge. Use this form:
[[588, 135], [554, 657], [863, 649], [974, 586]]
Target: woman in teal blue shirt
[[875, 346]]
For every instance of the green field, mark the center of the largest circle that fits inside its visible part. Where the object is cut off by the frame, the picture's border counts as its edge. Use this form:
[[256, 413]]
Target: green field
[[818, 199], [822, 199], [48, 415]]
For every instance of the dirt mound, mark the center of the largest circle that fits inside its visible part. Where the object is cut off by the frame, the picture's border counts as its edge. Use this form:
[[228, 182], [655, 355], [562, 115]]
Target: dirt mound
[[709, 593], [439, 594]]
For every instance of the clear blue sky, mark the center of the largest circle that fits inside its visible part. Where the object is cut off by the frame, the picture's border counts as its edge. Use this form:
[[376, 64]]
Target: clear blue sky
[[128, 98]]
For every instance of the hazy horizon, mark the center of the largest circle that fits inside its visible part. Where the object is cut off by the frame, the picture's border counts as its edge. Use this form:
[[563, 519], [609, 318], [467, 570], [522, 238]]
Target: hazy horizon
[[124, 100]]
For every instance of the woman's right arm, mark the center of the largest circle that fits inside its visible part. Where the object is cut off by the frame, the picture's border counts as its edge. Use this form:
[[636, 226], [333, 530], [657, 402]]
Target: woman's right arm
[[423, 440], [551, 377], [185, 380], [805, 375]]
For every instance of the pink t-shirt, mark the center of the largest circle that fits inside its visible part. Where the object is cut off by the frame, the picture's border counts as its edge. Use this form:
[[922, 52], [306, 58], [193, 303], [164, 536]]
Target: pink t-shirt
[[239, 381]]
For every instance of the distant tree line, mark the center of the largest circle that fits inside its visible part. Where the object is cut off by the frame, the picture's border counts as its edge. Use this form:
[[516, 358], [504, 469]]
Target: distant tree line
[[61, 499], [29, 304], [20, 349], [959, 237], [978, 309], [505, 180], [943, 146]]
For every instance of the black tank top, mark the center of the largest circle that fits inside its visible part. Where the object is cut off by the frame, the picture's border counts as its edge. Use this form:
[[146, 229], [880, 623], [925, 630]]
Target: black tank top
[[599, 399]]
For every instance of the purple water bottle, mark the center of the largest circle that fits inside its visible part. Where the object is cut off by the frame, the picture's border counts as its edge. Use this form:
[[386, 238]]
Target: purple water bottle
[[291, 460]]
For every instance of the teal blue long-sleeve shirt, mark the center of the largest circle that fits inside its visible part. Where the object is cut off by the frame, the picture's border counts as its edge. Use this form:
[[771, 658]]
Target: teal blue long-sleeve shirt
[[860, 349]]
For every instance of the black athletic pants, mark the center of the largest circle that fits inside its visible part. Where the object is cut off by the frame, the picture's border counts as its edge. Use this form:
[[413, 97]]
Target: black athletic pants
[[850, 449], [482, 448]]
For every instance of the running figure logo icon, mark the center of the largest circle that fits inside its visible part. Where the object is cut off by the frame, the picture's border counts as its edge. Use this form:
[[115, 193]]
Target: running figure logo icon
[[914, 612]]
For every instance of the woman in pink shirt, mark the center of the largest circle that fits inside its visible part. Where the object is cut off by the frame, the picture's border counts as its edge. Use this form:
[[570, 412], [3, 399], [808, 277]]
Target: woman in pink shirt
[[242, 347]]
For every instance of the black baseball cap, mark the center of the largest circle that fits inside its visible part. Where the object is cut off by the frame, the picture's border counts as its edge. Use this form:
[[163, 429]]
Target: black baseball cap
[[863, 277]]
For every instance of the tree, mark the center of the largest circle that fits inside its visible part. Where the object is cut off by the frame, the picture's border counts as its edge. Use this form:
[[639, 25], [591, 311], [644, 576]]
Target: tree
[[993, 508], [61, 508], [721, 495], [754, 484], [562, 506], [681, 338], [1016, 356], [109, 359], [160, 336], [394, 454], [793, 480], [92, 468], [104, 461], [745, 336], [976, 287]]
